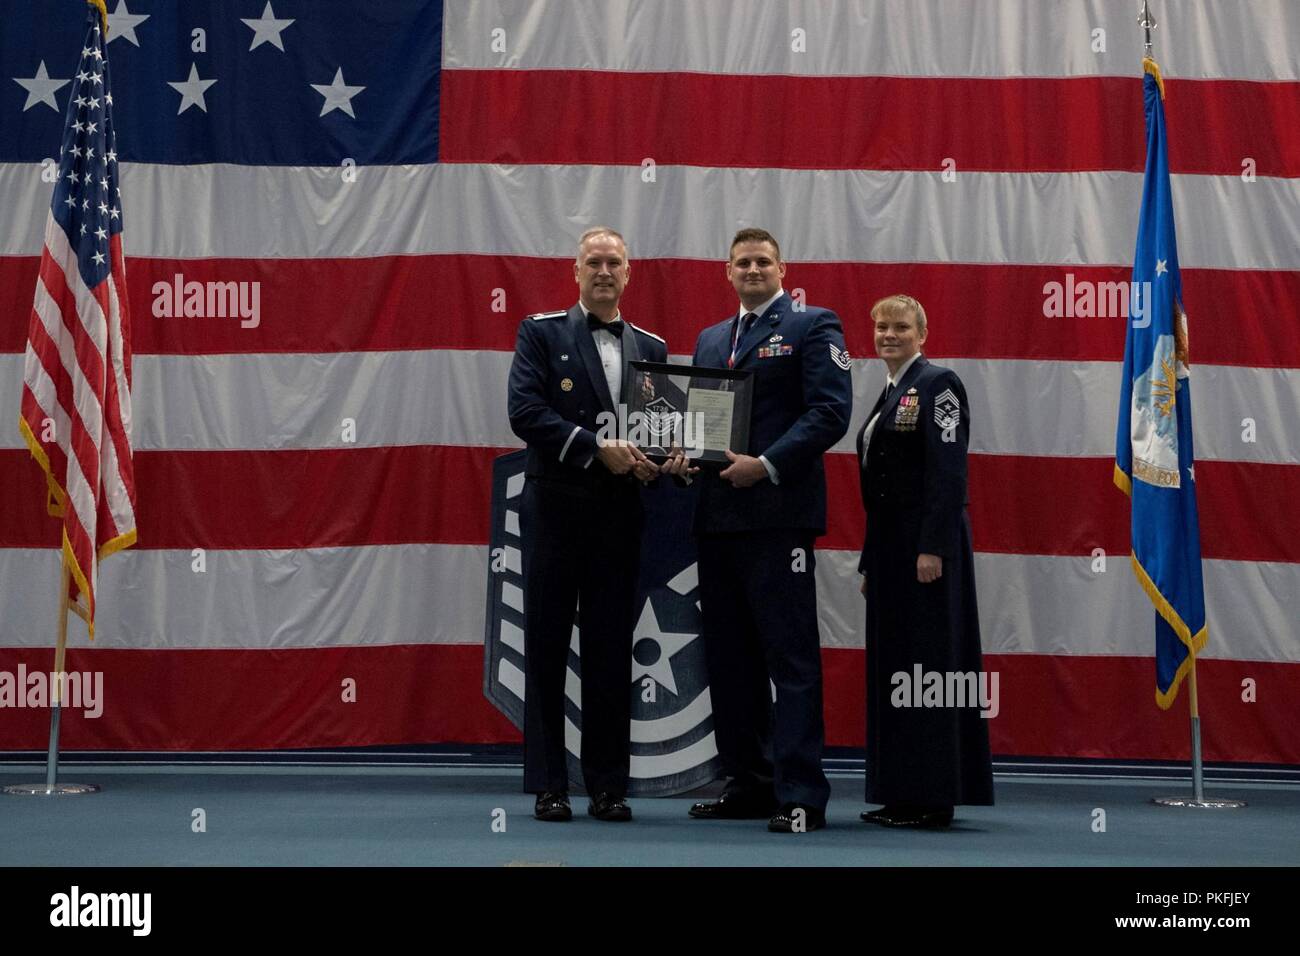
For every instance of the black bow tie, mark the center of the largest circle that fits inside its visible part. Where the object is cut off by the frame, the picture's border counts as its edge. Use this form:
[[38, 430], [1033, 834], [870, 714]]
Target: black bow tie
[[613, 328]]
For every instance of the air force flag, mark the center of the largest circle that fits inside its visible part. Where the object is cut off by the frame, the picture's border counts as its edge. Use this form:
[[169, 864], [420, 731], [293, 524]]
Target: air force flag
[[1153, 445]]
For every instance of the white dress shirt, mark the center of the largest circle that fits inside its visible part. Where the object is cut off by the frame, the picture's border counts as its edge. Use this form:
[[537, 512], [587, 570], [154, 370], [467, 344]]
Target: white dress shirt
[[610, 349]]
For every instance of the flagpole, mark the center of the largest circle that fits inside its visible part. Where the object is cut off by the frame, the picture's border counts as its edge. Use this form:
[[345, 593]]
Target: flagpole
[[56, 695], [1198, 800], [1147, 23], [51, 787], [1198, 770]]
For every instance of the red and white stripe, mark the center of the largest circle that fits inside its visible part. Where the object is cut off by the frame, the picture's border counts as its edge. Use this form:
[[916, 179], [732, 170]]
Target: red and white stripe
[[76, 406]]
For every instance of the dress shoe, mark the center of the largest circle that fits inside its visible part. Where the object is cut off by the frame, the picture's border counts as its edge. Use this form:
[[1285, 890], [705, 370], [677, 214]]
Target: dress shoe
[[734, 807], [874, 816], [917, 818], [610, 808], [553, 806], [784, 821]]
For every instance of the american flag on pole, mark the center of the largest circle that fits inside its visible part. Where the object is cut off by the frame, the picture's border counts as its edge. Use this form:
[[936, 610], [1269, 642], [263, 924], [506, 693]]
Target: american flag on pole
[[76, 404]]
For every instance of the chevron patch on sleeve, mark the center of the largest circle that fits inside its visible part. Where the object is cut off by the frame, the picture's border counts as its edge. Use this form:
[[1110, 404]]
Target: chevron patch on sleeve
[[947, 409]]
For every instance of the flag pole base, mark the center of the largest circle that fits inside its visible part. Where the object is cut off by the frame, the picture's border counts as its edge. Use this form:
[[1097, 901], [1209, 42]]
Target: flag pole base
[[1198, 800], [48, 790], [1199, 804]]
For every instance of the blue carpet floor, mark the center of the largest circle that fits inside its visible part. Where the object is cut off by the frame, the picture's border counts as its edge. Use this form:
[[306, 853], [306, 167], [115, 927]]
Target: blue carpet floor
[[307, 816]]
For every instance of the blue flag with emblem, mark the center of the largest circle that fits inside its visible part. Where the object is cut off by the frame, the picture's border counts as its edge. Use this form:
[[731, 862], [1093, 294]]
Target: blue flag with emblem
[[1153, 446]]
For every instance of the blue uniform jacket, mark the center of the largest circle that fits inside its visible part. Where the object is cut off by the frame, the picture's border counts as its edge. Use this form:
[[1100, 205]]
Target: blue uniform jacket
[[803, 397], [557, 390], [914, 478]]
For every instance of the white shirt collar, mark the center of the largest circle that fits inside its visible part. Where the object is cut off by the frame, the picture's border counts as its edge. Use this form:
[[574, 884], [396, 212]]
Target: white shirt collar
[[895, 379], [587, 313], [762, 309]]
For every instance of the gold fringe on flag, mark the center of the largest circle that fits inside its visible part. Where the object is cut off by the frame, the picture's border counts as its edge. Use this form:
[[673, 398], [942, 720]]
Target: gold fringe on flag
[[103, 14], [1151, 66]]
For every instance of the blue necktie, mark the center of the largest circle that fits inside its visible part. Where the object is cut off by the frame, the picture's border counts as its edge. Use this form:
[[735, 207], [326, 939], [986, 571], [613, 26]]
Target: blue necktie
[[742, 327]]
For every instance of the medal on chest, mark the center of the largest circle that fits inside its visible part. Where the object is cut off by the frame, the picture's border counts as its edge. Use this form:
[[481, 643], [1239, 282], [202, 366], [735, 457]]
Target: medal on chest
[[908, 413]]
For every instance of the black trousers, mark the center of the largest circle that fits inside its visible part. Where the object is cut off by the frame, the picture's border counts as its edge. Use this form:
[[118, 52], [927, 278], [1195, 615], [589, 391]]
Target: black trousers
[[581, 551], [760, 624]]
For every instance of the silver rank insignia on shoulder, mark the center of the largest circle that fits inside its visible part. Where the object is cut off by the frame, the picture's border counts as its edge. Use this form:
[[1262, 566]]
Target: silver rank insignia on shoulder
[[548, 315], [947, 409], [648, 332]]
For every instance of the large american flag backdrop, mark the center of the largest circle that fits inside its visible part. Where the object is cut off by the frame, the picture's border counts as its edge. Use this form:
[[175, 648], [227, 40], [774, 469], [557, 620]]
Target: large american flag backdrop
[[391, 187]]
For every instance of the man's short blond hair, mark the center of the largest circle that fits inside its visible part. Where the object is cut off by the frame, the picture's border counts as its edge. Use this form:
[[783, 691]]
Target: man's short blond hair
[[892, 306], [595, 231]]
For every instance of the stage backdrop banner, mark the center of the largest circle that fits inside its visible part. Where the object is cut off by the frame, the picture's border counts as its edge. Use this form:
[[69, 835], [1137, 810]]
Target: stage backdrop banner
[[337, 213], [673, 748]]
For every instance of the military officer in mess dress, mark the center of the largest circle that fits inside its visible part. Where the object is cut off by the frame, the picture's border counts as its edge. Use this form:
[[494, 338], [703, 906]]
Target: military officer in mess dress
[[580, 521]]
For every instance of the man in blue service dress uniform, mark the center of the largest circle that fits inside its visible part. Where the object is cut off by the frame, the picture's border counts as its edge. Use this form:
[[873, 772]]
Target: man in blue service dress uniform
[[756, 522], [580, 521], [919, 582]]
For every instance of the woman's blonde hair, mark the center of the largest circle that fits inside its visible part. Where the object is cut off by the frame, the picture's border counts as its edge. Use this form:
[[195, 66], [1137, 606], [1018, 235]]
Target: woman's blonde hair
[[893, 305]]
